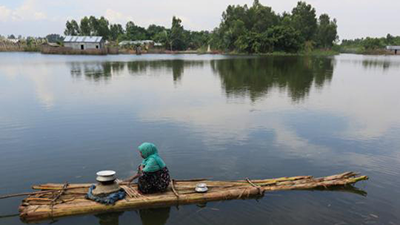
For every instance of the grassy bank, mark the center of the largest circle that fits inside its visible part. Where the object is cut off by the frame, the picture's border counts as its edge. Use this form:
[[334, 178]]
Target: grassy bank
[[364, 51], [61, 50], [20, 49], [316, 52]]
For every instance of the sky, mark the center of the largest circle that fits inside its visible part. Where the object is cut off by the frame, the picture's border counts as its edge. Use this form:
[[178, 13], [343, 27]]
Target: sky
[[356, 18]]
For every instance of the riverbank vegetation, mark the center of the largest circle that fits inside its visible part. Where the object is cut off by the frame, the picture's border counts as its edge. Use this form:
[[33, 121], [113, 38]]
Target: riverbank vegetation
[[259, 29], [175, 38], [369, 45], [250, 30], [20, 44]]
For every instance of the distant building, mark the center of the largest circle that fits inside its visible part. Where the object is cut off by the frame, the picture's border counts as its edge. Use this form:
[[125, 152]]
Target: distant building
[[393, 48], [144, 43], [13, 40], [84, 42]]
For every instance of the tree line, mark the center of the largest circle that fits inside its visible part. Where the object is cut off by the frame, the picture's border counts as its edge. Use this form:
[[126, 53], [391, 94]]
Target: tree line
[[174, 38], [258, 29], [255, 29], [369, 43]]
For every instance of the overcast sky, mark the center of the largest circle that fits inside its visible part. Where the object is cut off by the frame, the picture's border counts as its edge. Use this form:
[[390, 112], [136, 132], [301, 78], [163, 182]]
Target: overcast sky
[[356, 18]]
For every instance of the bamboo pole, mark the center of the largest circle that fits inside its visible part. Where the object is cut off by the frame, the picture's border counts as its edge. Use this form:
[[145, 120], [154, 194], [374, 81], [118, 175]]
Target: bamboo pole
[[173, 189], [26, 193]]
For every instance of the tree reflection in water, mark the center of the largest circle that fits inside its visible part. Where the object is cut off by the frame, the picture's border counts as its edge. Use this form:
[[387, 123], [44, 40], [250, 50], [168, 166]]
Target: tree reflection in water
[[255, 77], [147, 216], [98, 71], [154, 216], [109, 218], [176, 67]]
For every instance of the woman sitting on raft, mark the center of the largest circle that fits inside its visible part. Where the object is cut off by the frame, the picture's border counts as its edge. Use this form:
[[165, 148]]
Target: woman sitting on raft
[[152, 172]]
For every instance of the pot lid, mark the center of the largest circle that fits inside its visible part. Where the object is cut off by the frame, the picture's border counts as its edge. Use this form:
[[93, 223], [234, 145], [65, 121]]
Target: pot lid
[[105, 173], [201, 190], [201, 185]]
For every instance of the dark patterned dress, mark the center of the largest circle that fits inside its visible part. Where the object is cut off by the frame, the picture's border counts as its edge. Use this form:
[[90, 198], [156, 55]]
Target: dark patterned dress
[[153, 182]]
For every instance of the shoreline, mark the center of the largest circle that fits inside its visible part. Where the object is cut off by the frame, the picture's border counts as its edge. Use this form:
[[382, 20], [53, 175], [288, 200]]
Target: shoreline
[[367, 52], [313, 53], [317, 52]]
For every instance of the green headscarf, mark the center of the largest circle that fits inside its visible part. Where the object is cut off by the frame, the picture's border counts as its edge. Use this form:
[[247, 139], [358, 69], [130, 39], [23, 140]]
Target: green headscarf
[[152, 162]]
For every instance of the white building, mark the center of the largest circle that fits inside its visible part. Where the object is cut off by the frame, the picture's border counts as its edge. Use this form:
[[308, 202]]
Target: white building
[[84, 42], [149, 43], [13, 40]]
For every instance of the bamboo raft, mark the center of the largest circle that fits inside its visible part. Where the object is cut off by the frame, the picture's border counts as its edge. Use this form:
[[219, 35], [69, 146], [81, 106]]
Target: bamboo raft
[[60, 200]]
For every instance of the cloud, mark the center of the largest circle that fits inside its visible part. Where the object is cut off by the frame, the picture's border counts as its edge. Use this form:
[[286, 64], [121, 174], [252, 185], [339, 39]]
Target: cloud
[[116, 16], [196, 15], [26, 11], [4, 13]]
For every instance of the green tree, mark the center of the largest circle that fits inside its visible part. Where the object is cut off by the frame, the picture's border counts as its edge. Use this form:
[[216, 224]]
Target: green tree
[[326, 32], [261, 17], [177, 35], [197, 39], [94, 25], [133, 32], [103, 28], [72, 28], [154, 30], [390, 39], [373, 43], [253, 42], [54, 38], [163, 37], [85, 26], [233, 25], [116, 31], [285, 38], [304, 20]]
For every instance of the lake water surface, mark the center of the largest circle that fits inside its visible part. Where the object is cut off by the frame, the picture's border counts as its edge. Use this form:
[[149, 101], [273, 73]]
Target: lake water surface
[[63, 118]]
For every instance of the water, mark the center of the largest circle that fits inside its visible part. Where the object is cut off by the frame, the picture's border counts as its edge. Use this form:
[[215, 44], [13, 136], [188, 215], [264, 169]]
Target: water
[[63, 118]]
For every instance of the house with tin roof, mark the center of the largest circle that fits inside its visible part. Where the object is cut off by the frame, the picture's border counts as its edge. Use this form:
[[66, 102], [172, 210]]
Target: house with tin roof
[[395, 49], [84, 42], [146, 43]]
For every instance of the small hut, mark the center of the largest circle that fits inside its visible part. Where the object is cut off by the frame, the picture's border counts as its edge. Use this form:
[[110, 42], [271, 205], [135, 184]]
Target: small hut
[[395, 49], [84, 42]]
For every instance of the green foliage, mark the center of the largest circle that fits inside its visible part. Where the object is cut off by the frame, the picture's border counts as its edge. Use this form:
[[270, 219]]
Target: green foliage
[[54, 38], [285, 38], [163, 37], [72, 28], [373, 43], [133, 32], [259, 30], [326, 32], [154, 30], [249, 42], [256, 29], [262, 16], [366, 45], [116, 31], [177, 36], [103, 28], [304, 20], [240, 24], [88, 27], [85, 26], [30, 41]]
